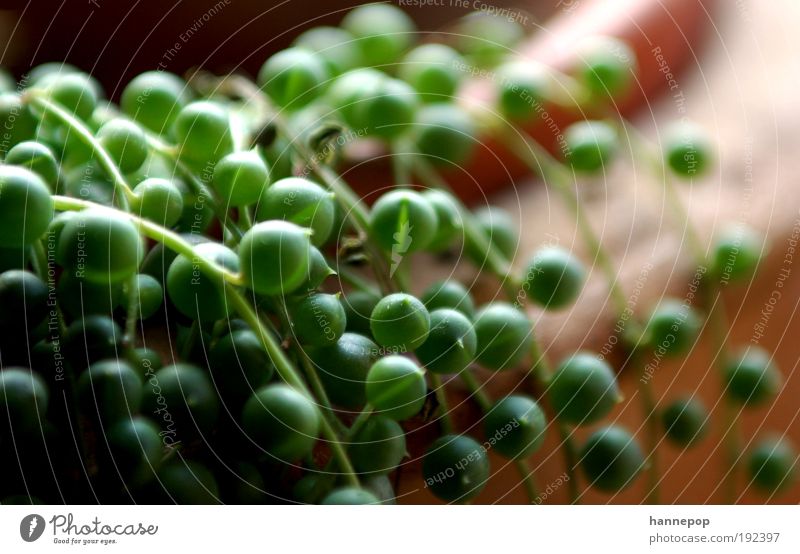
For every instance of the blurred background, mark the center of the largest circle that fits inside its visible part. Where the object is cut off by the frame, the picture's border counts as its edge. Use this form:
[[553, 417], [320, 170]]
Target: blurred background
[[734, 71], [117, 40]]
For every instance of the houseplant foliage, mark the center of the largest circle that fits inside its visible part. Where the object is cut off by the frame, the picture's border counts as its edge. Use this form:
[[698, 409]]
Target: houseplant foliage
[[197, 308]]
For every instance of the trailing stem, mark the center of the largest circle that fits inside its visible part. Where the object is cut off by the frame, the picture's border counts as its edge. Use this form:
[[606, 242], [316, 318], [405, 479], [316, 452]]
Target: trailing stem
[[283, 366]]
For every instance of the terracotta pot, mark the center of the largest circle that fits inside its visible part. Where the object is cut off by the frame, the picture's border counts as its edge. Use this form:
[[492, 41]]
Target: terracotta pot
[[670, 28]]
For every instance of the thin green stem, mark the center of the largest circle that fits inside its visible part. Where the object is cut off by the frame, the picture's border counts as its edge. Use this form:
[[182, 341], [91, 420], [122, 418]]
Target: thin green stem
[[658, 166], [717, 319], [359, 422], [132, 315], [542, 373], [731, 439], [474, 237], [124, 194], [319, 391], [309, 369], [527, 476], [501, 268], [480, 396], [541, 162], [168, 238], [716, 316], [356, 281], [653, 429], [289, 375], [191, 340], [528, 479], [202, 193], [245, 218], [540, 368], [731, 445], [570, 461], [349, 434], [282, 364], [444, 405], [39, 260], [400, 168], [352, 205]]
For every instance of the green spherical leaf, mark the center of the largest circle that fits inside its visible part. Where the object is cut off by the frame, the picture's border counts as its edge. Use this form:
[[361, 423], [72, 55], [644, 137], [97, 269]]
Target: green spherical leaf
[[195, 293], [449, 294], [17, 120], [396, 387], [751, 378], [203, 133], [125, 142], [240, 178], [110, 390], [591, 145], [154, 99], [38, 158], [522, 89], [737, 253], [158, 200], [343, 368], [445, 134], [146, 294], [318, 271], [281, 421], [403, 221], [183, 399], [293, 77], [504, 336], [91, 339], [239, 365], [515, 426], [144, 361], [349, 90], [499, 228], [400, 321], [135, 448], [335, 46], [673, 328], [607, 66], [24, 300], [382, 31], [26, 207], [583, 389], [554, 278], [771, 464], [317, 319], [74, 92], [687, 149], [611, 459], [350, 496], [274, 257], [23, 400], [434, 70], [378, 446], [388, 108], [358, 305], [455, 468], [685, 421], [99, 246], [449, 227], [184, 482], [486, 38], [302, 202], [451, 343]]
